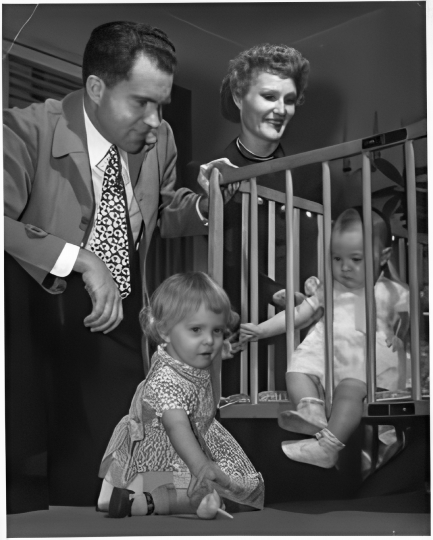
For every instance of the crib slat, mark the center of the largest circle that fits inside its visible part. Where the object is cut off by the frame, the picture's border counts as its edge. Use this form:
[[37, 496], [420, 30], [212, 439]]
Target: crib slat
[[216, 228], [254, 290], [290, 335], [329, 301], [413, 272], [244, 288], [370, 304], [402, 270], [271, 274], [215, 257], [296, 260], [320, 261]]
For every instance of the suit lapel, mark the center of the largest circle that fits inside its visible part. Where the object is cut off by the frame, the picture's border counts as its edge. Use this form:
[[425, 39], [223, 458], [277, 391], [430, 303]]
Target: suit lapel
[[70, 139], [135, 161]]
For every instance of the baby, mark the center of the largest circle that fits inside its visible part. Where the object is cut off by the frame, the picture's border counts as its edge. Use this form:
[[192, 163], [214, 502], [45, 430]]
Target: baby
[[305, 377]]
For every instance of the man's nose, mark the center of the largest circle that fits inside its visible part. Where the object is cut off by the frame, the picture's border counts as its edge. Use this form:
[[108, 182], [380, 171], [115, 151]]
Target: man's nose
[[152, 115]]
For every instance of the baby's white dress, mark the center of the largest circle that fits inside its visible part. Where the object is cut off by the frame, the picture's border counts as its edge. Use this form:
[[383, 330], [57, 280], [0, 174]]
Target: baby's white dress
[[350, 336]]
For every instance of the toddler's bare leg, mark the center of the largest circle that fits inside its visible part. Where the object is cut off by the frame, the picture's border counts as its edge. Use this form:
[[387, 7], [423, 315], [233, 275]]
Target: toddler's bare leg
[[347, 408], [104, 496]]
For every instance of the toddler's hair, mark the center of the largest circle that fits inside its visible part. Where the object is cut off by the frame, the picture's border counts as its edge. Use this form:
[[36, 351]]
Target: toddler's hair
[[353, 216], [177, 297]]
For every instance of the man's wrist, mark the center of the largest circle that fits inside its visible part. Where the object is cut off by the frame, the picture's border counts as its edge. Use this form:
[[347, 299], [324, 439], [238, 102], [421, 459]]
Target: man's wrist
[[85, 261]]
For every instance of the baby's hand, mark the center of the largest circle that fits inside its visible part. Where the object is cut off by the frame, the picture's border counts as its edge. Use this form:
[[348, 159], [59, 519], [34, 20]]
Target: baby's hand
[[250, 332], [279, 298], [396, 343]]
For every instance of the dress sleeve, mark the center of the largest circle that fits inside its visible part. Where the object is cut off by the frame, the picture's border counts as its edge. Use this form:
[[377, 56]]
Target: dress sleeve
[[168, 390]]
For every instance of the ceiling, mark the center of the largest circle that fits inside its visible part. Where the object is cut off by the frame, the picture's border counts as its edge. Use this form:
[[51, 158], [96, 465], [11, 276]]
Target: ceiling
[[206, 35]]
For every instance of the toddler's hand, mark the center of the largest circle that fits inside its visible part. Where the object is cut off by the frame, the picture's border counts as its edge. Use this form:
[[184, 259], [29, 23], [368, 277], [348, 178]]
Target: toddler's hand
[[201, 484], [250, 332]]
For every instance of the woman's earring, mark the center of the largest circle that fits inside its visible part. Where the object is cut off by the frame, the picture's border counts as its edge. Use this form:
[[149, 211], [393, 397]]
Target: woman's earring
[[163, 344]]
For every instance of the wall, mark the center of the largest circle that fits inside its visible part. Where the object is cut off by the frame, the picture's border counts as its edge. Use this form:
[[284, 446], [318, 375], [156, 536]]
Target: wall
[[376, 62]]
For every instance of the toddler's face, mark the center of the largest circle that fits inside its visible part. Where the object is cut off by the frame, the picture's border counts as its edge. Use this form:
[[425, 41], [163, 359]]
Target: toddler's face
[[347, 251], [197, 339]]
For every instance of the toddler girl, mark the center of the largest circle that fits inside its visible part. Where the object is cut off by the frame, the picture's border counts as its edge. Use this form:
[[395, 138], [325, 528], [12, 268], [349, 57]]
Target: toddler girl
[[170, 446], [305, 378]]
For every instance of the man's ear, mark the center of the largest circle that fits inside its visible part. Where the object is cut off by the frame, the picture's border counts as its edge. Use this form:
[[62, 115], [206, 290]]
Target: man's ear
[[385, 255], [95, 88]]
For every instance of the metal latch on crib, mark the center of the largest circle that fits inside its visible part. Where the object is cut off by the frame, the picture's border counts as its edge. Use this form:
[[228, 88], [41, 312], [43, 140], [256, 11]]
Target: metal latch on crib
[[391, 409], [384, 138]]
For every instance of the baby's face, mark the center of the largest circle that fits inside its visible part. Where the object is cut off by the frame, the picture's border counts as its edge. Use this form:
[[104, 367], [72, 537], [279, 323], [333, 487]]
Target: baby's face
[[347, 251]]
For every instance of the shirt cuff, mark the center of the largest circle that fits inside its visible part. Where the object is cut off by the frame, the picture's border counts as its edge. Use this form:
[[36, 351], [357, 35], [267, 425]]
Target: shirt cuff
[[204, 220], [66, 261]]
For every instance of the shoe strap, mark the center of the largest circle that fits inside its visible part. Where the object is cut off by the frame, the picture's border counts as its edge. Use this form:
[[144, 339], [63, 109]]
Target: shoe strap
[[150, 503]]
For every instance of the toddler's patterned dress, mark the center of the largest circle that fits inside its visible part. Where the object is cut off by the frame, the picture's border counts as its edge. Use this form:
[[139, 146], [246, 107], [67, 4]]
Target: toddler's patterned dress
[[140, 443]]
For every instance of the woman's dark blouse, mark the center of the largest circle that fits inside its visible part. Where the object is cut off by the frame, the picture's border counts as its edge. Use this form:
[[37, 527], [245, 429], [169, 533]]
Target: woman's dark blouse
[[232, 261]]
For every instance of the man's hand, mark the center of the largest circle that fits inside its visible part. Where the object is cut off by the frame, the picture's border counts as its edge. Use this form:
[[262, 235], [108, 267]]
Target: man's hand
[[107, 312], [203, 179]]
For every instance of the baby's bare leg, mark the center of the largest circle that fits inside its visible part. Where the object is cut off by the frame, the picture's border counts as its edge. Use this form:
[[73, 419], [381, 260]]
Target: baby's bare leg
[[347, 408], [301, 385]]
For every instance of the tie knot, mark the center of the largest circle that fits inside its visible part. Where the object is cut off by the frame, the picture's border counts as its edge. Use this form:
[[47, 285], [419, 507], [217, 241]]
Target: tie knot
[[113, 153]]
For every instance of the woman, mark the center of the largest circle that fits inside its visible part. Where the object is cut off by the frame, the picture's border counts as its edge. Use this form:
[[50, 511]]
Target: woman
[[261, 90]]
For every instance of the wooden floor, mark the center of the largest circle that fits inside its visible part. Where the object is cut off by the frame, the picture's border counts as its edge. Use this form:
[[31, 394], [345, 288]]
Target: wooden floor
[[401, 514]]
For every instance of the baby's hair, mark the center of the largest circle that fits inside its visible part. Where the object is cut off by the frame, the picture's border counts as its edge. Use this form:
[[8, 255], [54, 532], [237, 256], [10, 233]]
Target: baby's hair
[[177, 297], [351, 217]]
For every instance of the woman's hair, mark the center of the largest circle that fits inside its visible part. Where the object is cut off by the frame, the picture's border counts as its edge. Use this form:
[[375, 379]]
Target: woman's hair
[[177, 297], [280, 60], [113, 48]]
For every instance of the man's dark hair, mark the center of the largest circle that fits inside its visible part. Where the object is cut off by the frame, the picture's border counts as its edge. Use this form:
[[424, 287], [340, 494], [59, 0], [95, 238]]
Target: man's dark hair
[[113, 48]]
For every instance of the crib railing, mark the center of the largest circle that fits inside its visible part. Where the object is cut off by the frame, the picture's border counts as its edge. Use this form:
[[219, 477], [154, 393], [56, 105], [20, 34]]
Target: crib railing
[[252, 196]]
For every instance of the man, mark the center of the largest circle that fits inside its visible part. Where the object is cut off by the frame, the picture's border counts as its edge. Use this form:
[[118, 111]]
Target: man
[[86, 180]]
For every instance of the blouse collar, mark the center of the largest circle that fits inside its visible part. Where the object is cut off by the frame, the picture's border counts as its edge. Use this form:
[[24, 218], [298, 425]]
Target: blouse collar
[[181, 367]]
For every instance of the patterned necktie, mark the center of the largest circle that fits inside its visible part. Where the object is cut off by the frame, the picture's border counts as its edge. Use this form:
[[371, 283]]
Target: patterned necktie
[[110, 239]]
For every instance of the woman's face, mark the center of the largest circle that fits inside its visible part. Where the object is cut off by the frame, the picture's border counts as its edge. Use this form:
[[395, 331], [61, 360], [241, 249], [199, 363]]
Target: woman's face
[[267, 107]]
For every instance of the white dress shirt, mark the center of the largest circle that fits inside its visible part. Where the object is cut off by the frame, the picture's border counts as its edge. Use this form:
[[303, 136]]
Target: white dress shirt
[[97, 147]]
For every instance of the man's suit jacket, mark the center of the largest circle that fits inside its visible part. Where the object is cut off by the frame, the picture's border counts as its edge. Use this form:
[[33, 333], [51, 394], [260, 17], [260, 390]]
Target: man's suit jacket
[[48, 191]]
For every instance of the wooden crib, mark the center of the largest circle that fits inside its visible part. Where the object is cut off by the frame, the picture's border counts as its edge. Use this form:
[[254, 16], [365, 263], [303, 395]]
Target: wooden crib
[[408, 402]]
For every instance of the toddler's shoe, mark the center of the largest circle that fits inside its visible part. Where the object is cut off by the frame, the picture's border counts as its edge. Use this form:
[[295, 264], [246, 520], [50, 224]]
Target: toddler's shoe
[[121, 503], [322, 451], [309, 417]]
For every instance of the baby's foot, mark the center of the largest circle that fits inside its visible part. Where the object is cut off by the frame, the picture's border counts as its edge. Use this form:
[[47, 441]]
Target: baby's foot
[[208, 508]]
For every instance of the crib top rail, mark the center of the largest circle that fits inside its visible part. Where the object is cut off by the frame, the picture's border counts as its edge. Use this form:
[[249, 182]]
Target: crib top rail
[[329, 153]]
